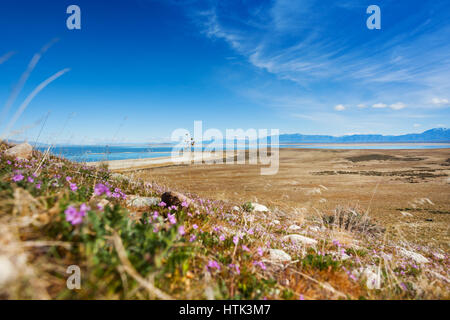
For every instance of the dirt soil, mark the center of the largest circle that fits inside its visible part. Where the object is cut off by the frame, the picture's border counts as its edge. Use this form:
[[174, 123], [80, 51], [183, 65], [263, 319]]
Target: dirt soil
[[406, 191]]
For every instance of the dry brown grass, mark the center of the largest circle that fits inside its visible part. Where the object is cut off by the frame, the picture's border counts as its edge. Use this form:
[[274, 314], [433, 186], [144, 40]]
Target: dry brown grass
[[298, 187]]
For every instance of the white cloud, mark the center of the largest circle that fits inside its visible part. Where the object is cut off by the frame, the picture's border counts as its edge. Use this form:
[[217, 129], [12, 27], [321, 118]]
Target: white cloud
[[439, 101], [416, 125], [397, 106], [394, 106], [362, 105], [379, 105], [339, 107]]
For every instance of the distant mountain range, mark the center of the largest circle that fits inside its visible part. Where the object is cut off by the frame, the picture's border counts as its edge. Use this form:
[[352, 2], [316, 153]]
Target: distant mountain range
[[432, 135]]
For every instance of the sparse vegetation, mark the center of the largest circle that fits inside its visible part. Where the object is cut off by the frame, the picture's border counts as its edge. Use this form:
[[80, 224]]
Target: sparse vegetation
[[382, 157], [55, 213]]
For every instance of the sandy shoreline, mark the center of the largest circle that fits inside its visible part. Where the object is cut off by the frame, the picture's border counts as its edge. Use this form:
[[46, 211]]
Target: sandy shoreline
[[142, 163], [133, 164]]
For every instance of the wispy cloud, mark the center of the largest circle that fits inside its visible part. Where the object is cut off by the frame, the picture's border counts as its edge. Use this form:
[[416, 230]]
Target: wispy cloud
[[310, 45], [394, 106], [6, 56], [440, 101]]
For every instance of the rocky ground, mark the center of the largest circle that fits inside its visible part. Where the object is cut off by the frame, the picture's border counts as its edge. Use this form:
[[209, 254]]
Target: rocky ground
[[137, 239]]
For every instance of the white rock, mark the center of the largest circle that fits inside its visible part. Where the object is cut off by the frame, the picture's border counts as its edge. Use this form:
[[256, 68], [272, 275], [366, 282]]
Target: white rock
[[7, 271], [278, 255], [323, 200], [21, 151], [314, 229], [373, 280], [276, 222], [406, 214], [141, 202], [345, 256], [417, 257], [259, 207], [296, 238], [294, 228], [236, 208]]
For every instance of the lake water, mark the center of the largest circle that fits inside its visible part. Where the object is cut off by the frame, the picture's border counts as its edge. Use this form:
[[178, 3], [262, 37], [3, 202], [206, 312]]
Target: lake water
[[105, 153]]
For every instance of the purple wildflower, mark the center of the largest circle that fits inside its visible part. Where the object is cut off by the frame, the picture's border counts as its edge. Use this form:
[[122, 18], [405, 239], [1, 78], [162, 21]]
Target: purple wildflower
[[162, 204], [74, 216], [260, 264], [73, 187], [17, 177], [213, 265], [100, 189], [172, 218], [260, 251], [235, 267]]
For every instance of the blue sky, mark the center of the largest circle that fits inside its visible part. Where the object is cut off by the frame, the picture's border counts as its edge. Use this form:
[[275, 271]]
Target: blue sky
[[139, 69]]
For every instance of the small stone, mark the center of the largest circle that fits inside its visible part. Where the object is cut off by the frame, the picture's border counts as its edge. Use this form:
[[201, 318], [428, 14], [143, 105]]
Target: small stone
[[236, 208], [21, 151], [7, 270], [345, 256], [275, 222], [417, 257], [294, 228], [142, 202], [259, 207], [373, 280], [278, 255], [406, 214], [296, 238]]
